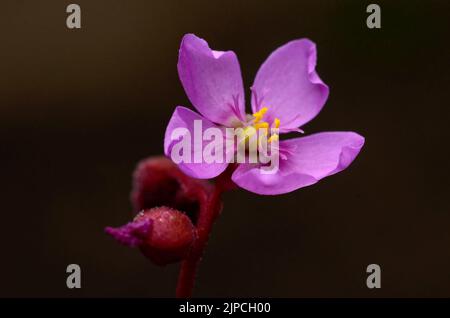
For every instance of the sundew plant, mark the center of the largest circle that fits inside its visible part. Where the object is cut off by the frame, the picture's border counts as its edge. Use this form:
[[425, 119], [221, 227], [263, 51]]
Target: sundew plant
[[220, 146]]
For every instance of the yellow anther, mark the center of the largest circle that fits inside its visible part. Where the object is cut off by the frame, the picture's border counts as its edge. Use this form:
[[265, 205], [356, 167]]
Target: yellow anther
[[247, 133], [262, 124], [259, 114], [273, 138], [258, 124], [276, 123]]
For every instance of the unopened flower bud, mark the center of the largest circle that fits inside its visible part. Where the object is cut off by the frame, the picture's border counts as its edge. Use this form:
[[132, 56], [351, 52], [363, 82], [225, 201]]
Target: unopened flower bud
[[157, 181], [163, 234]]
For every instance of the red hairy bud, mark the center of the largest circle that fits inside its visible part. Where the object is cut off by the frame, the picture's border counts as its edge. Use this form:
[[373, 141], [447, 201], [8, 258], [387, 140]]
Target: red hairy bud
[[157, 181], [164, 235], [171, 237], [170, 203]]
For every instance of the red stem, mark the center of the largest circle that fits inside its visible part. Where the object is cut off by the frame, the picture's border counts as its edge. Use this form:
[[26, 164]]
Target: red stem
[[207, 215]]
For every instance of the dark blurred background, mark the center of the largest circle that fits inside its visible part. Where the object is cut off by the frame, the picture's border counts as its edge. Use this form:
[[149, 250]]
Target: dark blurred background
[[79, 109]]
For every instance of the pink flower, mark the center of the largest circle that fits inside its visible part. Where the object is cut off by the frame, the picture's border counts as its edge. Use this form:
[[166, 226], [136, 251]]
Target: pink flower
[[286, 94]]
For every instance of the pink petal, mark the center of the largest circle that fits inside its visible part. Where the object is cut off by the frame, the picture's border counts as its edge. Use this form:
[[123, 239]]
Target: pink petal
[[289, 86], [308, 159], [133, 234], [212, 80], [249, 177], [183, 117]]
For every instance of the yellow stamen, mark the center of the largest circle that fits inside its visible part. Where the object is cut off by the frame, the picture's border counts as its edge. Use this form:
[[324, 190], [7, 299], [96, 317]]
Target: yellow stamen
[[262, 124], [276, 123], [257, 124], [273, 138], [263, 110], [259, 114], [247, 133]]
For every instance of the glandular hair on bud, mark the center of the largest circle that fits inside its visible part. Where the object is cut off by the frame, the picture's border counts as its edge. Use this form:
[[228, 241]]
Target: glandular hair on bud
[[171, 237]]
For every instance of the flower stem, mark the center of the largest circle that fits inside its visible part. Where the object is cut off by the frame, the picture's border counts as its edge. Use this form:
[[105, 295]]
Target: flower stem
[[207, 215]]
